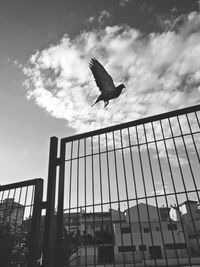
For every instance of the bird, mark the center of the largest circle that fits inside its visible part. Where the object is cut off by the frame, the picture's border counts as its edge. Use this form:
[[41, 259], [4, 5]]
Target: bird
[[105, 83]]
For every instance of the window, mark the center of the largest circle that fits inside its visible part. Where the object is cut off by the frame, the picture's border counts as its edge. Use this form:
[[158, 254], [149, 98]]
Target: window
[[142, 247], [126, 249], [175, 246], [172, 226], [126, 230], [181, 245], [146, 229], [107, 227], [85, 227], [157, 228]]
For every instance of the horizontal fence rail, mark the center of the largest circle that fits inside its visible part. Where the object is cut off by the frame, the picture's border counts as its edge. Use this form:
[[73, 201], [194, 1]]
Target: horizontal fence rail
[[129, 194], [158, 117], [20, 223]]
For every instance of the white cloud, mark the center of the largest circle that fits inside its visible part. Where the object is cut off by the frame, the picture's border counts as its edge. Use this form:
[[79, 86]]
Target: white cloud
[[161, 73], [124, 2], [160, 188], [104, 16], [161, 191], [171, 21], [91, 19], [18, 64]]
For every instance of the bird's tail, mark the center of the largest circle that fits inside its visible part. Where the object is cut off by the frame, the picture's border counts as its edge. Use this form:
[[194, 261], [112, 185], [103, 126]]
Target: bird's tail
[[98, 99], [94, 103]]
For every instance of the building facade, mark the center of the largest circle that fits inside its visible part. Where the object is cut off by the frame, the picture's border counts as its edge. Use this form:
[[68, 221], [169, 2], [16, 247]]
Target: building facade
[[12, 213], [149, 233], [141, 233]]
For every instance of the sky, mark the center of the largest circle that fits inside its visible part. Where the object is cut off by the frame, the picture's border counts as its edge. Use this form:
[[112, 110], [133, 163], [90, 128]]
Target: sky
[[47, 88]]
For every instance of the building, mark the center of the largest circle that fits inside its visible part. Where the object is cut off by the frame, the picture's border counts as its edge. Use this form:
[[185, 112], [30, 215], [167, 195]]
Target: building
[[139, 234], [11, 212], [96, 237], [189, 213], [148, 233]]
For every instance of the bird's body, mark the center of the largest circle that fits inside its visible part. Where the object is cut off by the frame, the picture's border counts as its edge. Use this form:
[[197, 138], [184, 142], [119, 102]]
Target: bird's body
[[105, 83], [107, 95]]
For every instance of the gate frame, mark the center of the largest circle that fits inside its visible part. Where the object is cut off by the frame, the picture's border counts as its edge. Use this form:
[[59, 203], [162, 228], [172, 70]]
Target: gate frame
[[33, 244], [59, 162], [48, 258]]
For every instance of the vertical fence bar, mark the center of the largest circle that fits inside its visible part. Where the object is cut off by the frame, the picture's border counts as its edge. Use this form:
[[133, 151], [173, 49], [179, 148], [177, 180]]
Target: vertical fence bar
[[32, 200], [59, 225], [118, 197], [33, 249], [22, 228], [48, 249], [110, 198], [85, 198], [101, 198], [93, 199], [16, 216], [78, 215], [70, 188], [127, 198]]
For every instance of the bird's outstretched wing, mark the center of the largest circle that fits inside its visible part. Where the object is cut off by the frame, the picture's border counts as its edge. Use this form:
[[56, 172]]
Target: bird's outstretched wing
[[103, 80]]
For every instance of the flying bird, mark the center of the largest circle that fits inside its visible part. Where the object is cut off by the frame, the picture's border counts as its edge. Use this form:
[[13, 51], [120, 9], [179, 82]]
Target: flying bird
[[105, 83]]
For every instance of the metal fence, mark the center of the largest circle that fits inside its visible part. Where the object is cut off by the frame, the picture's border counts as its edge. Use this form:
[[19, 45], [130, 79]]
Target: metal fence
[[20, 214], [128, 195]]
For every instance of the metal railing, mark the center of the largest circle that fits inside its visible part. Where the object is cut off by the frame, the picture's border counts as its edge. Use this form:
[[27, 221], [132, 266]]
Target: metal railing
[[20, 214], [130, 193], [126, 195]]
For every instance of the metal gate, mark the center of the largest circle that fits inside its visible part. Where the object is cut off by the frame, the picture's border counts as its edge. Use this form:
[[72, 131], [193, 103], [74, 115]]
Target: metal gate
[[126, 195], [20, 223]]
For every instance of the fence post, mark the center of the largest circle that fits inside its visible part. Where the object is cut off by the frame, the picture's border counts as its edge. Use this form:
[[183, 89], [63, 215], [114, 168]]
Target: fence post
[[35, 225], [59, 231], [49, 233]]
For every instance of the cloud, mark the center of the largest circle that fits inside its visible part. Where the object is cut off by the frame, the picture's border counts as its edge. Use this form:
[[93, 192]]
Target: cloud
[[161, 72], [91, 19], [123, 2], [172, 21], [161, 189], [18, 64], [103, 18]]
